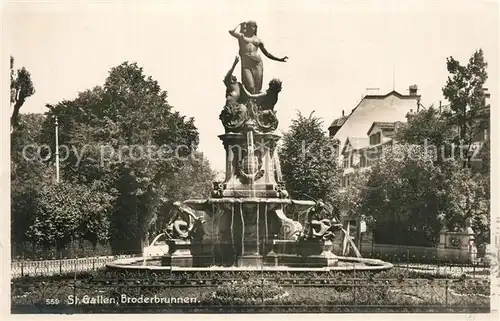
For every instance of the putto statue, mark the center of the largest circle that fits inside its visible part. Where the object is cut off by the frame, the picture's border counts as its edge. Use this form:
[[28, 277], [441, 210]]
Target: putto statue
[[318, 226], [237, 93], [184, 224], [241, 105], [252, 69]]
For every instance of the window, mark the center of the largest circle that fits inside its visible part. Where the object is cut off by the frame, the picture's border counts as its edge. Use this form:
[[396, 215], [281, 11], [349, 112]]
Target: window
[[371, 155], [375, 139], [336, 150], [480, 136], [345, 181], [389, 133], [362, 161], [467, 162], [346, 161]]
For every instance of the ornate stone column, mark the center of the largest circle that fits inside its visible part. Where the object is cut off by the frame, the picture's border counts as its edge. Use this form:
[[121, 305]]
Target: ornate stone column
[[238, 177]]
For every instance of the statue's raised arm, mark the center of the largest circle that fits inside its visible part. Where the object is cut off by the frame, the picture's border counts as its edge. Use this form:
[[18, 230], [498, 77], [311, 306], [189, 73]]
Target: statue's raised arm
[[235, 33], [229, 78]]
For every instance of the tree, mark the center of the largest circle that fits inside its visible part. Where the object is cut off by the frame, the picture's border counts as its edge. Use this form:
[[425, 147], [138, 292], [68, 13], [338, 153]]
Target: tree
[[44, 213], [483, 156], [309, 160], [28, 175], [68, 212], [429, 129], [24, 144], [192, 181], [127, 138], [465, 91], [467, 190], [350, 198], [468, 197], [402, 197], [470, 113], [411, 198], [21, 87]]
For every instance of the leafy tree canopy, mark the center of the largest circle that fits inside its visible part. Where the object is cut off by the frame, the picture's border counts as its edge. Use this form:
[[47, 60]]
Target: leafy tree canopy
[[465, 91], [21, 88], [309, 160], [126, 139]]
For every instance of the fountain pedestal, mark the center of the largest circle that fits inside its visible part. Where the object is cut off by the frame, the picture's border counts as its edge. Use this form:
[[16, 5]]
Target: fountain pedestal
[[250, 260], [250, 172], [324, 259], [179, 254], [313, 254]]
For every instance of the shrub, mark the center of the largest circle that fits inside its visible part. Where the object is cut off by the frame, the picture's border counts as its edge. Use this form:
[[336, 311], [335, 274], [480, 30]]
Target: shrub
[[252, 291]]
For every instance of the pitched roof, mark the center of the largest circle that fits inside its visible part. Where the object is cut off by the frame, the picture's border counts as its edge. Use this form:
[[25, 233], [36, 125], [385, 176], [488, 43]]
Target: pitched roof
[[384, 125], [384, 108], [356, 143], [339, 122]]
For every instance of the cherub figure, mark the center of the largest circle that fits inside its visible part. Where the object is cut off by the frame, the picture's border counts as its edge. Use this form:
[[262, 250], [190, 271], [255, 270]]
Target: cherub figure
[[233, 90], [318, 226], [268, 99], [180, 226]]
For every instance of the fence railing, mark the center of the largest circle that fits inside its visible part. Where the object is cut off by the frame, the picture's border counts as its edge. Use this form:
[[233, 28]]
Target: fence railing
[[60, 267], [417, 254], [68, 266]]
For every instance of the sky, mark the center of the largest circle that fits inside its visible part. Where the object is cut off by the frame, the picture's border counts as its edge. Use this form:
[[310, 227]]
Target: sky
[[336, 50]]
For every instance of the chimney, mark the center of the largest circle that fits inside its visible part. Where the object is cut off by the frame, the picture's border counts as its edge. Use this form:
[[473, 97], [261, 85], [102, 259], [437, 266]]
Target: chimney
[[409, 115], [487, 96], [413, 90], [342, 113]]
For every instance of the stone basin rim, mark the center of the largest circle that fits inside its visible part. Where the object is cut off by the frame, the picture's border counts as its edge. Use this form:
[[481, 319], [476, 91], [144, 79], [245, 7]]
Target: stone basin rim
[[371, 265], [249, 200]]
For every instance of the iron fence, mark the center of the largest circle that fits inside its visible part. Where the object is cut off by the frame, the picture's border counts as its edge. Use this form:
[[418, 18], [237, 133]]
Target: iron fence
[[60, 267], [70, 266]]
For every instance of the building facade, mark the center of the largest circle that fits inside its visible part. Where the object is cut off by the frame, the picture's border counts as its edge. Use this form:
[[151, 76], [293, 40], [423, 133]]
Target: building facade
[[391, 107]]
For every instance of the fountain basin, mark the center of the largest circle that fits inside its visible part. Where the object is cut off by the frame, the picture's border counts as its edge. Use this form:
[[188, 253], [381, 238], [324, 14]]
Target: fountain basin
[[345, 264]]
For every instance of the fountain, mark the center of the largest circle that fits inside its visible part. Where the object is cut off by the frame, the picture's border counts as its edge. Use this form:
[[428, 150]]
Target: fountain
[[250, 222]]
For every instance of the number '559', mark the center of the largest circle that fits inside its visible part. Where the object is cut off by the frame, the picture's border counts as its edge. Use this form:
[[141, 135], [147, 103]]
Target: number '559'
[[51, 301]]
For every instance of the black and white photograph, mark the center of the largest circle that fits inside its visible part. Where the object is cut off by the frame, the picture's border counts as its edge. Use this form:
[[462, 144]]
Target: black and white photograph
[[250, 157]]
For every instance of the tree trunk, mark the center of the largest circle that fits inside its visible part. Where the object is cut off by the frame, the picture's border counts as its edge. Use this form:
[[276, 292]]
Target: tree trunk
[[14, 119], [94, 245], [145, 240]]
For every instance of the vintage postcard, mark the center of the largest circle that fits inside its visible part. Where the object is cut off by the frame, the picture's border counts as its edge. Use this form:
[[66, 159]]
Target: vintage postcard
[[251, 157]]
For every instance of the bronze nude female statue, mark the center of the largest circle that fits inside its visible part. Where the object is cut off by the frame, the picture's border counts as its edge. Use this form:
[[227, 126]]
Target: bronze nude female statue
[[252, 68]]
